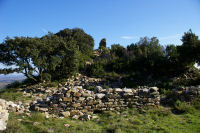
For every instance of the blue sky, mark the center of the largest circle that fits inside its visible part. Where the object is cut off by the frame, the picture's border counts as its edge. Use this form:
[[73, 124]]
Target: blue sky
[[119, 21]]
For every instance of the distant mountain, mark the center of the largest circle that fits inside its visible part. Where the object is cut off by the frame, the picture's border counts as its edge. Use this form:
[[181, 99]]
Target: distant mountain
[[7, 79]]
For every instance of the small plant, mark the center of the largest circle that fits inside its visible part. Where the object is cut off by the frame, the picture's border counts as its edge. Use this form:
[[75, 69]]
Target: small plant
[[91, 88], [37, 117], [15, 84], [137, 122], [105, 86], [165, 91], [51, 84], [183, 107]]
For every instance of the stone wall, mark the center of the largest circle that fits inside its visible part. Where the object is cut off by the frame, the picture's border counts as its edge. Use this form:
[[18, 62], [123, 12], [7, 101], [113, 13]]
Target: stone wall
[[184, 94], [77, 102]]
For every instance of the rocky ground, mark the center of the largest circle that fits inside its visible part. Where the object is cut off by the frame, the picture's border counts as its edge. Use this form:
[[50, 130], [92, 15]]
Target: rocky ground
[[72, 99]]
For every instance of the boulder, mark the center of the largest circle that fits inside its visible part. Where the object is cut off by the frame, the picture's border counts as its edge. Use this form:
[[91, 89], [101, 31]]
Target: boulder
[[66, 114], [127, 90], [76, 112], [77, 94], [153, 89], [85, 117], [99, 95], [99, 89], [67, 99], [118, 90], [3, 114]]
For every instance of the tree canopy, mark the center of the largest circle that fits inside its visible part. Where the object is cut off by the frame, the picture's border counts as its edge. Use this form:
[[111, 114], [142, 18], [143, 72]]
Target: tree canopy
[[52, 56], [60, 55]]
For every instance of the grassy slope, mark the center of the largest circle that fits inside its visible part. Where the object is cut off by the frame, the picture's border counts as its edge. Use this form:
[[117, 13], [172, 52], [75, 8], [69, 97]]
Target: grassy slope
[[151, 120]]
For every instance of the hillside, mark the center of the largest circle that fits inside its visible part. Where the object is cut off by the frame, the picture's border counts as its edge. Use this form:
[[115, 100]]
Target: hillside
[[8, 79]]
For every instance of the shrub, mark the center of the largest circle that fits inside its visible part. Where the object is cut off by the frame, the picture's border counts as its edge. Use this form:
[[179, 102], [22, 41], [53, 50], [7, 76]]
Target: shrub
[[105, 86], [37, 117], [15, 84], [46, 77], [183, 107], [51, 84]]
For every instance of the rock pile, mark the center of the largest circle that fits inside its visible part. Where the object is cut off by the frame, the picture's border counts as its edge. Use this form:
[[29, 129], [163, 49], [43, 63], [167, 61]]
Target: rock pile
[[80, 80], [9, 106], [80, 103], [184, 94]]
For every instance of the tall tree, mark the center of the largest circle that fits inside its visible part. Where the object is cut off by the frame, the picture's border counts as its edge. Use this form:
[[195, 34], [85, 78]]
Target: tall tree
[[102, 43], [189, 50], [18, 52]]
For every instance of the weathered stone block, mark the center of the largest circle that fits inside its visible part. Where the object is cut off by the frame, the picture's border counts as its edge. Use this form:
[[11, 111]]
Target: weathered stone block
[[99, 95], [67, 99], [77, 94], [66, 114]]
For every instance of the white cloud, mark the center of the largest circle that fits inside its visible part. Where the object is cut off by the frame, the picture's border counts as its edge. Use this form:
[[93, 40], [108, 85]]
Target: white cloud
[[128, 37], [177, 36]]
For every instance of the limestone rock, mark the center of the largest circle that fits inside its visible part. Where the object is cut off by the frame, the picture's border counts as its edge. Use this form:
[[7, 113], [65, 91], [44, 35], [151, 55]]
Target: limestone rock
[[67, 99], [66, 114], [153, 89], [85, 117], [77, 94], [3, 117], [127, 90], [99, 95]]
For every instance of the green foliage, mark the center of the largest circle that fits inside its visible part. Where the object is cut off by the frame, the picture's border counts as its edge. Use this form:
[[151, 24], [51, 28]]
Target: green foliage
[[61, 55], [96, 69], [92, 88], [130, 120], [51, 84], [51, 57], [183, 107], [15, 84], [13, 95], [105, 86], [102, 43], [83, 41], [37, 117], [189, 50], [147, 62], [196, 103]]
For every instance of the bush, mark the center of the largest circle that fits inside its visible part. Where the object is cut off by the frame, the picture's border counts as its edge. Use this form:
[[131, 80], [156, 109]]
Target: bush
[[105, 86], [196, 103], [46, 77], [96, 70], [51, 84], [183, 107], [15, 84], [37, 117]]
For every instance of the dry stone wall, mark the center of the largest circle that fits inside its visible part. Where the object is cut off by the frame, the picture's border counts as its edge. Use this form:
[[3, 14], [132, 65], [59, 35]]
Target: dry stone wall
[[78, 102], [184, 94]]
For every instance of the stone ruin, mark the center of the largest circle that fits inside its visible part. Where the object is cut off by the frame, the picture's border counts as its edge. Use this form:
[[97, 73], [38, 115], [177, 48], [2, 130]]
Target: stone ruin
[[184, 94], [73, 100], [80, 103]]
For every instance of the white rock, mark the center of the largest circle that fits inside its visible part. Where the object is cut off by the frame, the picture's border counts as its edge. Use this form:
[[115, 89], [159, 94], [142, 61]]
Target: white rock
[[99, 88], [127, 90], [3, 114], [75, 117], [118, 90], [154, 88], [66, 125], [99, 95], [3, 119]]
